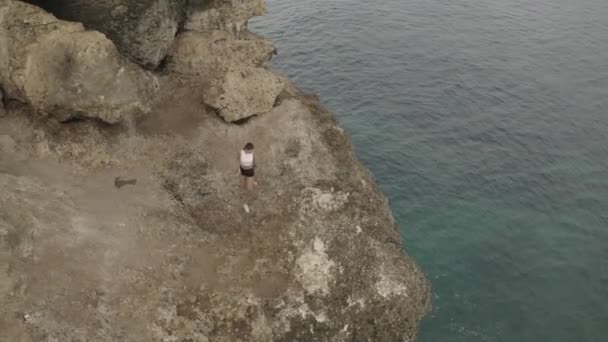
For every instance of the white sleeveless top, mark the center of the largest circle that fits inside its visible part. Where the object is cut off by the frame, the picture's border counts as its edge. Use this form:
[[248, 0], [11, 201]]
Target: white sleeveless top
[[246, 160]]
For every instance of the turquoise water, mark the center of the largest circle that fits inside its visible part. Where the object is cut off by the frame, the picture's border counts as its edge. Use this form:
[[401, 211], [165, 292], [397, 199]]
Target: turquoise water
[[486, 124]]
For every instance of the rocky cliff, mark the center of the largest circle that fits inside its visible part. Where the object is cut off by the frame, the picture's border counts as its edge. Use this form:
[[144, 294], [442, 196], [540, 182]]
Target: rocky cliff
[[121, 216]]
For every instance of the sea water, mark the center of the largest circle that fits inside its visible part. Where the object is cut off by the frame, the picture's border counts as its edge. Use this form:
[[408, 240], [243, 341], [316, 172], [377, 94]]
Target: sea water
[[486, 124]]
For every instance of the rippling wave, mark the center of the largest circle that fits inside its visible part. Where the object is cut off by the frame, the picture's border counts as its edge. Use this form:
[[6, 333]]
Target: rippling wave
[[486, 123]]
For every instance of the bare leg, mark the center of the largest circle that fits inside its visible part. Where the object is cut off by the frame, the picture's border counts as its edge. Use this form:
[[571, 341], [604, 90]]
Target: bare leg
[[243, 182], [250, 183]]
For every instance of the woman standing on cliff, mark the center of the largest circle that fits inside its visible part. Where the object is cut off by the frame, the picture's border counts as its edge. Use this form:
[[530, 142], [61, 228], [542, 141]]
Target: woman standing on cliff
[[247, 167]]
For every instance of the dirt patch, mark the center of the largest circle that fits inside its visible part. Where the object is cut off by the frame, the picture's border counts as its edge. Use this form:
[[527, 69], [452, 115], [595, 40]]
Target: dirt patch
[[179, 110]]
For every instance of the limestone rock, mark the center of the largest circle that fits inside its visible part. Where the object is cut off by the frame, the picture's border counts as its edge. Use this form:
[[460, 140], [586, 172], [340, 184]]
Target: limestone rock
[[228, 15], [63, 70], [239, 86], [214, 52], [244, 92], [141, 29]]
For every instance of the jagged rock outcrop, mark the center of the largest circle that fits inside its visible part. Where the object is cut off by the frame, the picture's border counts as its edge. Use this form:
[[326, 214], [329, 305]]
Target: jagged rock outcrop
[[227, 15], [244, 92], [212, 53], [216, 44], [174, 256], [61, 69], [239, 87], [143, 30]]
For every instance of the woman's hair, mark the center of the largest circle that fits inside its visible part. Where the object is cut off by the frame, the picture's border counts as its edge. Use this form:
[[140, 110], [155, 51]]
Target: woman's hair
[[248, 146]]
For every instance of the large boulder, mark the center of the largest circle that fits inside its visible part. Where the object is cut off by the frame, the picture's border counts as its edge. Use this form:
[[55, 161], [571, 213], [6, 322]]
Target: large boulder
[[228, 15], [141, 29], [214, 52], [232, 65], [244, 92], [61, 69]]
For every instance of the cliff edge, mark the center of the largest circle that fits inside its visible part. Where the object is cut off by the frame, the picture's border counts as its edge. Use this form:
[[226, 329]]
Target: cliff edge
[[121, 216]]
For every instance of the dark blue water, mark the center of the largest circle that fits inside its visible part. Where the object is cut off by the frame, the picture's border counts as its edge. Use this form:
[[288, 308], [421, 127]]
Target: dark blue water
[[486, 124]]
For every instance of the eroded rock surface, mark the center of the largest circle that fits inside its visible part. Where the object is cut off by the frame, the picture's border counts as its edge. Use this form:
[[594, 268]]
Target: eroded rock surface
[[232, 65], [143, 30], [61, 69]]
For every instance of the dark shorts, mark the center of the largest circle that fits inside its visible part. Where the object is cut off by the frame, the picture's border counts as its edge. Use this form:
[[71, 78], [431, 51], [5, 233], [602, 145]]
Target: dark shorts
[[247, 173]]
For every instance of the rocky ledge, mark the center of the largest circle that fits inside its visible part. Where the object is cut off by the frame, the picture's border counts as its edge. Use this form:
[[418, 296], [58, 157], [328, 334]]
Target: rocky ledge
[[121, 217]]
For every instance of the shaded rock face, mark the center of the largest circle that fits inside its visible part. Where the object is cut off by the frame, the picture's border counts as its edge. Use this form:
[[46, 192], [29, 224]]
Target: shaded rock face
[[143, 30], [215, 41], [61, 69]]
